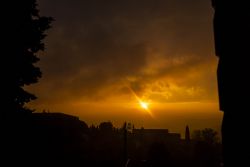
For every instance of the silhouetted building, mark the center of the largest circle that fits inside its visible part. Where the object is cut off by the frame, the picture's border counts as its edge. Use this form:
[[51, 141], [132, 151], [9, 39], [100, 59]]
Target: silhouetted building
[[156, 135], [47, 138]]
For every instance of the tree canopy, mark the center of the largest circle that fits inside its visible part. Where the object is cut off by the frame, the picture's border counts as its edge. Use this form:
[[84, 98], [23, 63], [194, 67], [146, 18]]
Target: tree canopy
[[207, 135], [26, 30]]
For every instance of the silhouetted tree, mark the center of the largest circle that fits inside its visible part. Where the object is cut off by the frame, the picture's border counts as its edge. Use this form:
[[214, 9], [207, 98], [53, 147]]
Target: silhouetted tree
[[106, 126], [26, 31], [207, 148], [207, 135], [187, 134]]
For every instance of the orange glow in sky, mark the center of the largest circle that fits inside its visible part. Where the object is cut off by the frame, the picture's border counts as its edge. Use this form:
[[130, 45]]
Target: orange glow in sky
[[140, 62]]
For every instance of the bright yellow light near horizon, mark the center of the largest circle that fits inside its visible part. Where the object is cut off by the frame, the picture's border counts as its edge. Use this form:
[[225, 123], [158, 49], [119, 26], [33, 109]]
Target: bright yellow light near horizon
[[144, 105]]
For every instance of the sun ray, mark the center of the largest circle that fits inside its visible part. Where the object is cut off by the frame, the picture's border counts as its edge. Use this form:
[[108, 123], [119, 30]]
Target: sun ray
[[143, 104]]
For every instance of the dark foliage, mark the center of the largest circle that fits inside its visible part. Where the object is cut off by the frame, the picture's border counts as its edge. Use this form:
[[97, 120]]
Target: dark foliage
[[25, 31]]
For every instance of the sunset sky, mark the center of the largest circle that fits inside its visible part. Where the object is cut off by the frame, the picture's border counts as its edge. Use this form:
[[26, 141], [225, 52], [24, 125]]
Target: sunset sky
[[104, 58]]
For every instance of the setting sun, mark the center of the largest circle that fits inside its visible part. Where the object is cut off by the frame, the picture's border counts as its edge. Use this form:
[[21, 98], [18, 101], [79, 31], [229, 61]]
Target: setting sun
[[144, 105]]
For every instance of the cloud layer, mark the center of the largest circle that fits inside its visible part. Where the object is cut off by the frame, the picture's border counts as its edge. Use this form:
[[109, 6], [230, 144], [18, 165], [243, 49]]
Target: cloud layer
[[161, 49]]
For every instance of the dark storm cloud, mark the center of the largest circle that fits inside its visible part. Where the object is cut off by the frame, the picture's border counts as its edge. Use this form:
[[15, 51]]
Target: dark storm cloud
[[97, 43]]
